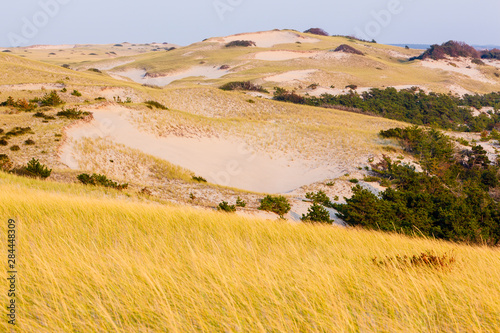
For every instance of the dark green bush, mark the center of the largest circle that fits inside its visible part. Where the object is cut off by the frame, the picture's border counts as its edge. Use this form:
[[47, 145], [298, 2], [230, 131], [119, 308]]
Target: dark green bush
[[243, 85], [76, 93], [156, 105], [317, 214], [35, 169], [242, 43], [51, 99], [317, 31], [319, 197], [3, 142], [411, 105], [276, 204], [72, 113], [225, 207], [199, 179], [29, 142], [100, 180], [453, 199], [240, 202]]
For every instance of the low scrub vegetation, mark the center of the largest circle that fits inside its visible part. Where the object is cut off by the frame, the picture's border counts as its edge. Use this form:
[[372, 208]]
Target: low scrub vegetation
[[243, 85], [199, 179], [490, 54], [410, 105], [226, 207], [20, 104], [456, 197], [317, 31], [316, 213], [49, 99], [240, 43], [72, 113], [100, 180], [5, 163], [451, 49], [150, 104], [348, 49], [35, 169], [276, 204]]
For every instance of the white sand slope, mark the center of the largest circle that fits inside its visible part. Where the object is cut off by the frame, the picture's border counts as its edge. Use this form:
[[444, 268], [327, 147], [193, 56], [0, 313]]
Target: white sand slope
[[462, 66], [226, 162], [291, 76], [139, 75], [270, 38], [107, 65], [283, 55]]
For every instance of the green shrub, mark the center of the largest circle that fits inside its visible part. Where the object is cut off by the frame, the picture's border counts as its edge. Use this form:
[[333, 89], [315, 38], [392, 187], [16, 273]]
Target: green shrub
[[3, 142], [76, 93], [225, 207], [100, 180], [15, 148], [354, 180], [243, 43], [17, 131], [199, 179], [155, 104], [72, 113], [276, 204], [317, 214], [319, 197], [63, 90], [94, 70], [243, 85], [240, 202], [35, 169], [371, 179], [29, 142], [51, 99]]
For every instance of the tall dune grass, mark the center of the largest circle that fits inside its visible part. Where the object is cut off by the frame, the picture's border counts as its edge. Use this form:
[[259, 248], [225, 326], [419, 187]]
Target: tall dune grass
[[94, 262]]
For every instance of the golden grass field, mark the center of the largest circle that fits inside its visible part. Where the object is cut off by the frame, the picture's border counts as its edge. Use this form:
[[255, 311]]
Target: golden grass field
[[91, 260]]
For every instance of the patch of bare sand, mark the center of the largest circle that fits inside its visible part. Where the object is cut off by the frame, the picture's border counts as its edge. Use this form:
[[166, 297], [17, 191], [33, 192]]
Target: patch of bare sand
[[223, 161], [291, 76], [283, 55], [141, 76], [462, 66], [270, 38]]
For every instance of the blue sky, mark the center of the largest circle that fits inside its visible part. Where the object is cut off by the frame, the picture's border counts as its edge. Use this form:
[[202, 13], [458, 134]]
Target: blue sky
[[28, 22]]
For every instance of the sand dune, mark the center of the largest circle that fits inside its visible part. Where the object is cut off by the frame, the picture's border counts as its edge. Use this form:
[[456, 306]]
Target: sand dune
[[283, 55], [291, 76], [461, 66], [140, 75], [270, 38], [223, 161]]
